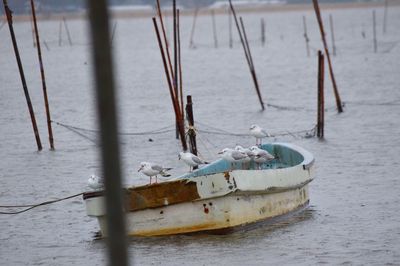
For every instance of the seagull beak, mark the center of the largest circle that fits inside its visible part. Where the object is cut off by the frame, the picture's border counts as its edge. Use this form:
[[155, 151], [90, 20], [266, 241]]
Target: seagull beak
[[221, 152], [140, 169]]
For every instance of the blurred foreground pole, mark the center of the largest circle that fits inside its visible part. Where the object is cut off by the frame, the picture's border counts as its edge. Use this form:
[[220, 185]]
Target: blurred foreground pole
[[321, 29], [107, 118], [8, 13], [321, 107], [46, 100]]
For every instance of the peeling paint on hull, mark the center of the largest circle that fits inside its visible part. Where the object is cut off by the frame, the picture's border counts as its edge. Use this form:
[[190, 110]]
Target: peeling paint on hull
[[222, 214]]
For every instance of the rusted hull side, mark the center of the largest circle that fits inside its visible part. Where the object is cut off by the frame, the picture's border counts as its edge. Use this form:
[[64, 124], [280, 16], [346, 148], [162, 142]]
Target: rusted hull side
[[219, 214]]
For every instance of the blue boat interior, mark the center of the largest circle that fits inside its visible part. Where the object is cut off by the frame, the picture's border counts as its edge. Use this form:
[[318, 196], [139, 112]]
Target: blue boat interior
[[284, 157]]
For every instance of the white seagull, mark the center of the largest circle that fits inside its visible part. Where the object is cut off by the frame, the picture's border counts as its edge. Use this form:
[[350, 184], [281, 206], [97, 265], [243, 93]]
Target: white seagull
[[190, 159], [95, 182], [246, 151], [258, 132], [232, 156], [261, 156], [152, 169]]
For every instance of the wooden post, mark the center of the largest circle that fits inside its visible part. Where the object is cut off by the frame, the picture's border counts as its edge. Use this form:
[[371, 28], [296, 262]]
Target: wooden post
[[306, 36], [374, 31], [107, 118], [332, 35], [46, 101], [214, 29], [247, 54], [180, 66], [60, 34], [8, 13], [321, 108], [321, 28], [175, 104], [262, 32], [191, 131], [67, 31], [230, 27], [191, 43], [385, 16]]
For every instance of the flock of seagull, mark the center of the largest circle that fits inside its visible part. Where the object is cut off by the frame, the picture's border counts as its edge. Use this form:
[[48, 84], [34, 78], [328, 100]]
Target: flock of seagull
[[238, 154]]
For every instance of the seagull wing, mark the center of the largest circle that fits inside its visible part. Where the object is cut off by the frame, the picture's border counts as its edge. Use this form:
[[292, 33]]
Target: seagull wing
[[197, 159], [237, 155], [156, 167]]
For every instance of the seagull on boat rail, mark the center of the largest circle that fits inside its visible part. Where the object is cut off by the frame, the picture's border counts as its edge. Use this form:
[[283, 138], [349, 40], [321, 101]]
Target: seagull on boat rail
[[190, 159], [233, 156], [258, 132], [152, 169], [95, 182]]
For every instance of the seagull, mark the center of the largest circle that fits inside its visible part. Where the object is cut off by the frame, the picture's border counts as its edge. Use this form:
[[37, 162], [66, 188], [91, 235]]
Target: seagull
[[152, 169], [261, 156], [233, 156], [246, 151], [95, 182], [190, 159], [258, 132]]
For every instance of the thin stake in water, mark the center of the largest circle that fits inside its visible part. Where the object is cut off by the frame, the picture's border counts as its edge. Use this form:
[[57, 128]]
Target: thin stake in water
[[191, 43], [374, 31], [332, 35], [8, 13], [306, 36], [262, 32], [321, 29], [67, 31], [214, 29], [321, 108], [385, 11], [46, 101]]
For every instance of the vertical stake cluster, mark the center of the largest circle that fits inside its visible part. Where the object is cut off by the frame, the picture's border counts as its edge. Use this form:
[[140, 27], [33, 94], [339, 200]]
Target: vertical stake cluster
[[321, 108]]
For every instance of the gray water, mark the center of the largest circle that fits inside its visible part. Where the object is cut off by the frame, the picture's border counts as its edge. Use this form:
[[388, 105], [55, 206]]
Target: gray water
[[354, 212]]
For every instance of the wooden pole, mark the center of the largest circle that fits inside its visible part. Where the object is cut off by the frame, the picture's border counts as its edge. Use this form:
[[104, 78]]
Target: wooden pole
[[306, 36], [262, 32], [8, 13], [165, 38], [46, 101], [191, 43], [374, 31], [175, 104], [332, 35], [247, 54], [60, 34], [175, 77], [385, 16], [252, 69], [107, 118], [180, 66], [230, 27], [321, 28], [214, 28], [67, 31], [321, 108], [191, 131]]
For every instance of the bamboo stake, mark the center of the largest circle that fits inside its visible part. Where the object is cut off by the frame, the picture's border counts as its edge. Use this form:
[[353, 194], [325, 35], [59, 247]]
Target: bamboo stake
[[321, 108], [107, 117], [46, 45], [385, 10], [332, 35], [60, 34], [165, 38], [306, 36], [230, 27], [262, 32], [8, 13], [374, 31], [180, 66], [67, 31], [191, 43], [178, 117], [214, 29], [46, 101], [321, 28]]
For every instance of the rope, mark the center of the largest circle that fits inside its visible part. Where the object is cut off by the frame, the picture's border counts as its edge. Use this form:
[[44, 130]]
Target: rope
[[30, 207]]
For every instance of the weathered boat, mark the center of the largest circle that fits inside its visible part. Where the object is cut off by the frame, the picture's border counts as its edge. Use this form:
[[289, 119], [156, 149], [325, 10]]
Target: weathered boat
[[217, 198]]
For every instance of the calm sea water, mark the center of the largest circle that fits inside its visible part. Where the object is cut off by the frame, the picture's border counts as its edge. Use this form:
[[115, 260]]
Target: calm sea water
[[354, 213]]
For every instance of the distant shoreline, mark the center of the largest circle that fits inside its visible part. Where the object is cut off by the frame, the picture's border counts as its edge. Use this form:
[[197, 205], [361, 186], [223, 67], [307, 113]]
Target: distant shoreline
[[266, 8]]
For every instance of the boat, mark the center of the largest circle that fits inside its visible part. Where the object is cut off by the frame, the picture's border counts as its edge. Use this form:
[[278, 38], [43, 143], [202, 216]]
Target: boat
[[219, 198]]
